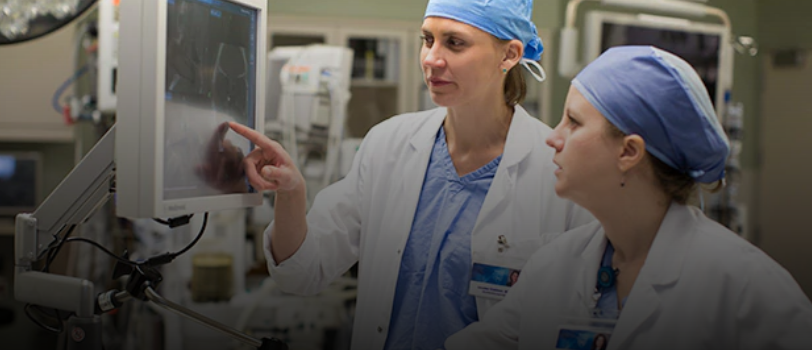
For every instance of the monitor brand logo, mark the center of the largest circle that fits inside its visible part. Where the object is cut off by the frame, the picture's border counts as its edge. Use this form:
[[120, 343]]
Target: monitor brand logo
[[176, 207]]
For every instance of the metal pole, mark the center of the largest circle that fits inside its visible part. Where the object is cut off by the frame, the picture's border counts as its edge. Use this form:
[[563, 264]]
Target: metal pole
[[159, 300]]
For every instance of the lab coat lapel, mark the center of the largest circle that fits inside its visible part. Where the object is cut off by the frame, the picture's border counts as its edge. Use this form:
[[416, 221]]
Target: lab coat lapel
[[421, 145], [517, 147], [591, 261], [660, 272]]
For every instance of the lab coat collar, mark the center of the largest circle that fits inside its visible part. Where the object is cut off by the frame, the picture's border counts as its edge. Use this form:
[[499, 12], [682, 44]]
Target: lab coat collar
[[666, 255], [661, 270], [517, 146]]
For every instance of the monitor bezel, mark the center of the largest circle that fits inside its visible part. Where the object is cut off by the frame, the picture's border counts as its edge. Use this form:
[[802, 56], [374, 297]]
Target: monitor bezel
[[6, 211], [594, 34], [140, 114]]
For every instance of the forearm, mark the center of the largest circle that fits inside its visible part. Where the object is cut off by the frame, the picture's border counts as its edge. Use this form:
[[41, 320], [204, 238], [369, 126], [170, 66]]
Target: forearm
[[290, 223]]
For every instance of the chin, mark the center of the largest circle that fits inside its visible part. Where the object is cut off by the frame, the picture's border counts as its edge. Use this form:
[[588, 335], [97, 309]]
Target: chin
[[560, 190], [439, 101], [444, 99]]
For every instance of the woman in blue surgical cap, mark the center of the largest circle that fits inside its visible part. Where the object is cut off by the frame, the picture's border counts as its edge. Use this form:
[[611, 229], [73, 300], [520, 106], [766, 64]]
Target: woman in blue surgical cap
[[429, 194], [639, 132]]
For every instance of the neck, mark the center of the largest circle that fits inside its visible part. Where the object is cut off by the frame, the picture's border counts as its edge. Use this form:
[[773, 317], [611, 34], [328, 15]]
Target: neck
[[631, 220], [472, 129]]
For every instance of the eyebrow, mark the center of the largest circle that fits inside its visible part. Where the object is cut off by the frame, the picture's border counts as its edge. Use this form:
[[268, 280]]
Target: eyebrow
[[446, 33]]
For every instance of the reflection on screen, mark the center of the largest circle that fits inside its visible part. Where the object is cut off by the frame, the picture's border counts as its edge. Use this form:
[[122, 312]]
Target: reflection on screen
[[701, 51], [210, 79]]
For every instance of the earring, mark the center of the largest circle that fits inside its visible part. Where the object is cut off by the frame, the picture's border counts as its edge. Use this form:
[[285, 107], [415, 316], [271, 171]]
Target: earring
[[623, 181], [504, 70]]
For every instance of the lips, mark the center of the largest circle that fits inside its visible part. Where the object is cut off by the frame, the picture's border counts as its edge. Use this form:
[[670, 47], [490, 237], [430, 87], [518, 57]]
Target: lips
[[438, 82]]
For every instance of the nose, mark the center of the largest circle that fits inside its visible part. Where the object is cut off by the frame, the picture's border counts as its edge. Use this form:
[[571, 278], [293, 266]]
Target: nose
[[555, 140], [433, 57]]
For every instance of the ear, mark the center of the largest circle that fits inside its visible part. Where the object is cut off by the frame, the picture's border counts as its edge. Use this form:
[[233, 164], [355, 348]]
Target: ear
[[632, 153], [514, 51]]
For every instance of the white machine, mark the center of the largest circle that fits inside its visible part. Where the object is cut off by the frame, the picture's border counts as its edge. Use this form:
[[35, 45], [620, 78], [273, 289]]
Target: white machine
[[705, 45], [107, 63], [308, 92]]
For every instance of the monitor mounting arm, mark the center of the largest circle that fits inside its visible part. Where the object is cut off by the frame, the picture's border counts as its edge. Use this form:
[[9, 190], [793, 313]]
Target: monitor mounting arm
[[89, 185]]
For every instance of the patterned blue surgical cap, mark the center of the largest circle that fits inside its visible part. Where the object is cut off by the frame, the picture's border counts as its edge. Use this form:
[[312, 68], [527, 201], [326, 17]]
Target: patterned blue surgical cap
[[649, 92], [504, 19]]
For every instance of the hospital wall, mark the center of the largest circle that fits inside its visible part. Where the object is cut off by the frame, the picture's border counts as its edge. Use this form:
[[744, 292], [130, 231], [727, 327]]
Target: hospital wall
[[784, 196]]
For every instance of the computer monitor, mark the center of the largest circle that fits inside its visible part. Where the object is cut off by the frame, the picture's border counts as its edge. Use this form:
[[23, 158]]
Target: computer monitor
[[703, 45], [185, 68], [20, 182]]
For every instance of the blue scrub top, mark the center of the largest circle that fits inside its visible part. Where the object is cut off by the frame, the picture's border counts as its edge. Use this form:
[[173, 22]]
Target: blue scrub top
[[607, 303], [431, 299]]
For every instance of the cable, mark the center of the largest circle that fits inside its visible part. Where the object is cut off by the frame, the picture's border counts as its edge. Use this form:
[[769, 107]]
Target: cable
[[38, 322], [168, 257], [161, 221], [175, 222], [52, 252], [118, 258], [200, 234], [59, 91]]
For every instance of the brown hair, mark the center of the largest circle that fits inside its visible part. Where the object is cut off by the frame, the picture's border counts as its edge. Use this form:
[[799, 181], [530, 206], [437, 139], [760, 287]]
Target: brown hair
[[677, 185], [515, 86]]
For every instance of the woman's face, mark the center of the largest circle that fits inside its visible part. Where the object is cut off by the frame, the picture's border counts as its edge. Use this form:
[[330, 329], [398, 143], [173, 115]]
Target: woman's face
[[587, 157], [460, 62]]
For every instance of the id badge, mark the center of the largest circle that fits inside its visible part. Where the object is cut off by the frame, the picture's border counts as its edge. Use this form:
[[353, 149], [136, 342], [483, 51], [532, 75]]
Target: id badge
[[585, 334], [491, 280]]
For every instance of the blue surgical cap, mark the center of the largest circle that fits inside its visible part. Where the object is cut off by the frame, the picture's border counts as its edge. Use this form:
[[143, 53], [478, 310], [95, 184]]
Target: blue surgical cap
[[649, 92], [504, 19]]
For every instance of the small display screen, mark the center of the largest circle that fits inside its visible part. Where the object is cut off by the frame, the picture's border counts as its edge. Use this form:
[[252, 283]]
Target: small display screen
[[18, 184], [700, 50], [211, 55]]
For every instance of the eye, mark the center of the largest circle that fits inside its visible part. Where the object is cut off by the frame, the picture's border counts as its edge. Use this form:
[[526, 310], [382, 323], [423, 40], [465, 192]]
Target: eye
[[428, 40], [453, 42], [572, 121]]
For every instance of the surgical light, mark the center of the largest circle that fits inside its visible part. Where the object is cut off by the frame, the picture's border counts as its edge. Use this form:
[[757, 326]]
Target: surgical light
[[22, 20]]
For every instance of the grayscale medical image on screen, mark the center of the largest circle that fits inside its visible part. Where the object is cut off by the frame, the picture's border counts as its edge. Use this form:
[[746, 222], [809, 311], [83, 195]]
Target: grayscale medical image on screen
[[699, 50], [210, 79]]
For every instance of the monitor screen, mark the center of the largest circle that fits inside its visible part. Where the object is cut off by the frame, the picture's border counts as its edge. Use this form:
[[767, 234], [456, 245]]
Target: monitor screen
[[186, 67], [700, 44], [211, 56], [700, 50], [19, 182]]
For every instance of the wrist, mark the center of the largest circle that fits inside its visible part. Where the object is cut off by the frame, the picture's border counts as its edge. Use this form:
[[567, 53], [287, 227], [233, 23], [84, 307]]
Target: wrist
[[298, 191]]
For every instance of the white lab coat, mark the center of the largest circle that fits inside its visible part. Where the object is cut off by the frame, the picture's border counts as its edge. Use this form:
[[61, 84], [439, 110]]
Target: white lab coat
[[367, 216], [701, 287]]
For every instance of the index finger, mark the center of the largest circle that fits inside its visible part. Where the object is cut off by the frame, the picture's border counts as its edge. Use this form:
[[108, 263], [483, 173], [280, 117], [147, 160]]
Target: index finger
[[252, 135]]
